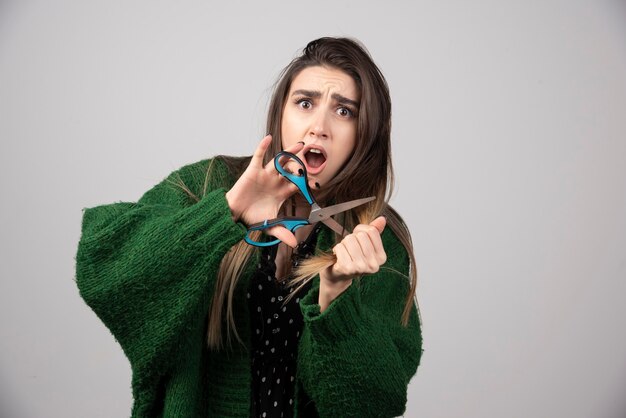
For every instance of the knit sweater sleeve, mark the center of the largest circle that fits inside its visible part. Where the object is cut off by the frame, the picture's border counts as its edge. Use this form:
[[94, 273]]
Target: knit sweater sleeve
[[147, 268], [356, 358]]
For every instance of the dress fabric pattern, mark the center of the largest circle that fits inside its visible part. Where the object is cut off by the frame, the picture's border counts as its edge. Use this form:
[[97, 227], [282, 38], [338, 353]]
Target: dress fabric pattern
[[276, 329]]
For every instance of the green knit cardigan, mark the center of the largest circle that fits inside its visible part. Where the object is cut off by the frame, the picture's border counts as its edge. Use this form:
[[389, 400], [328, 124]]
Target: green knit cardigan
[[148, 269]]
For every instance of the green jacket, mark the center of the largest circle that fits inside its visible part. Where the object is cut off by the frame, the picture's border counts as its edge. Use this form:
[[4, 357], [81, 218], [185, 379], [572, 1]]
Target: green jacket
[[147, 269]]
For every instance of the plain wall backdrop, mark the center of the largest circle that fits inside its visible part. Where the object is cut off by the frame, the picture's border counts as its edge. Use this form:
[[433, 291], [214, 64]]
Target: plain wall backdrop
[[509, 141]]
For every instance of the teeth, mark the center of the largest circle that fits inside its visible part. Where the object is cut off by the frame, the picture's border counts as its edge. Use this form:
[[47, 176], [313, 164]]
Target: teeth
[[315, 151]]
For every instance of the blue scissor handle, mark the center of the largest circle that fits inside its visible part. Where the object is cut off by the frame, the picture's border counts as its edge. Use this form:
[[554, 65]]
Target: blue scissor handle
[[290, 223], [300, 181]]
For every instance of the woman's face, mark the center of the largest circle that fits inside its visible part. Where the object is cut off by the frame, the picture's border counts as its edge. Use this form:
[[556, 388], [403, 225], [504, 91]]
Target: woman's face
[[321, 110]]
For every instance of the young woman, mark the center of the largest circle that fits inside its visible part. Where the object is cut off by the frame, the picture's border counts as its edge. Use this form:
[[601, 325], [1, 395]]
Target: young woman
[[319, 325]]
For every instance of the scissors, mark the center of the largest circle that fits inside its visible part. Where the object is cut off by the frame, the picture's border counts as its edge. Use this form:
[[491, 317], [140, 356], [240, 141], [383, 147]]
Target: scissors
[[317, 214]]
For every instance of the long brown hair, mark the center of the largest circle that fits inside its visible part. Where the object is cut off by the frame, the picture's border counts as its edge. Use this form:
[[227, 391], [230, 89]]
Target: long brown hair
[[370, 163]]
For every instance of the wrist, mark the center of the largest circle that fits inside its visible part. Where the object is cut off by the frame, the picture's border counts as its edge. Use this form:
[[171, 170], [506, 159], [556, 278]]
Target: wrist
[[232, 199], [331, 289]]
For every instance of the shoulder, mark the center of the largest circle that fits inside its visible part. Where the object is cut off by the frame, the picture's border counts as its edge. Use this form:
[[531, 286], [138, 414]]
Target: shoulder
[[193, 181], [201, 177], [397, 254]]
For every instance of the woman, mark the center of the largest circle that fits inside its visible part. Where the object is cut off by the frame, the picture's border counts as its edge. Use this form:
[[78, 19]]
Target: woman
[[173, 280]]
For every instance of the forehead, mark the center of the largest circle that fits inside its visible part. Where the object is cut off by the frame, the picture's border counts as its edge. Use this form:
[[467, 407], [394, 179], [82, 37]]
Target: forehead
[[325, 80]]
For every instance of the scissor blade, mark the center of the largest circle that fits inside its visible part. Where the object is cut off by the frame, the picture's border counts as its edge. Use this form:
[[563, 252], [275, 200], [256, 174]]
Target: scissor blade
[[318, 215], [335, 226]]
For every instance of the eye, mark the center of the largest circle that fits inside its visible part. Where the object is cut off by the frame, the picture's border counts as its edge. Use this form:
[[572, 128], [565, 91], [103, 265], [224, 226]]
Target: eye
[[304, 103], [345, 112]]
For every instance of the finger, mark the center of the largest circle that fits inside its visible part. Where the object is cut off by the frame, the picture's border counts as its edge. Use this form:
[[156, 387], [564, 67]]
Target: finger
[[284, 188], [352, 245], [362, 252], [259, 153], [379, 223], [342, 254], [370, 229], [343, 260], [367, 247], [283, 234], [359, 264], [286, 161], [373, 255], [375, 238], [292, 166], [295, 148], [377, 242]]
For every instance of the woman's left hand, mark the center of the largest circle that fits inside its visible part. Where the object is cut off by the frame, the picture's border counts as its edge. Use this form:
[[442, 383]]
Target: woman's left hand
[[360, 252]]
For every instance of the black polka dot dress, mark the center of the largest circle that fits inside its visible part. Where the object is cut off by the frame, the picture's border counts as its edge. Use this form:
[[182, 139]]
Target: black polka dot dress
[[276, 329]]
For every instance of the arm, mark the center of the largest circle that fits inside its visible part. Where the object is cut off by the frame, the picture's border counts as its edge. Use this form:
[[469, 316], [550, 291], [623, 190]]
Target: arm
[[356, 358], [146, 268]]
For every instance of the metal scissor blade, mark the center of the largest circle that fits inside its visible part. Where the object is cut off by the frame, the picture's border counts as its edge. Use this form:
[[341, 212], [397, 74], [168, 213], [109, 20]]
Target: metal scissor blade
[[319, 215], [335, 226]]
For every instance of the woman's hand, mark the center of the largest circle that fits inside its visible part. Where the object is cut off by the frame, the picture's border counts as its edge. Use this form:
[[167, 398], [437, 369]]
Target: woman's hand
[[260, 192], [360, 252]]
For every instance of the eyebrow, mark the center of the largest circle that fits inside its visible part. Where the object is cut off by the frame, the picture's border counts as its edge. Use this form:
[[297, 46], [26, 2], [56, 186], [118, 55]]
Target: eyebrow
[[317, 94]]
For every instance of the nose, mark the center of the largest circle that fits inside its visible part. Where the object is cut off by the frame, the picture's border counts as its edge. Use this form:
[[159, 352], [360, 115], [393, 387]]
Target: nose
[[319, 125]]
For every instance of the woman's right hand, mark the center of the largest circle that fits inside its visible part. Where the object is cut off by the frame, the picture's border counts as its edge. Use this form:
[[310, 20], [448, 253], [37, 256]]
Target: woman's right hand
[[260, 192]]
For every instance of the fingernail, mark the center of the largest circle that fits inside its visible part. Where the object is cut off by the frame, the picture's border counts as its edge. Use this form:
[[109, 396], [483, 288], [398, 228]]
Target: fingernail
[[301, 142]]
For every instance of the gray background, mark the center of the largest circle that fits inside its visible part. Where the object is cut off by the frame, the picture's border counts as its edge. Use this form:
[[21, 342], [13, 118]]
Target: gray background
[[510, 150]]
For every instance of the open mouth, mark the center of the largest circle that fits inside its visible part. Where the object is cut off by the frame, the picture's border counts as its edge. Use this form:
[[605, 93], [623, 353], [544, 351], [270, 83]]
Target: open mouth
[[315, 159]]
